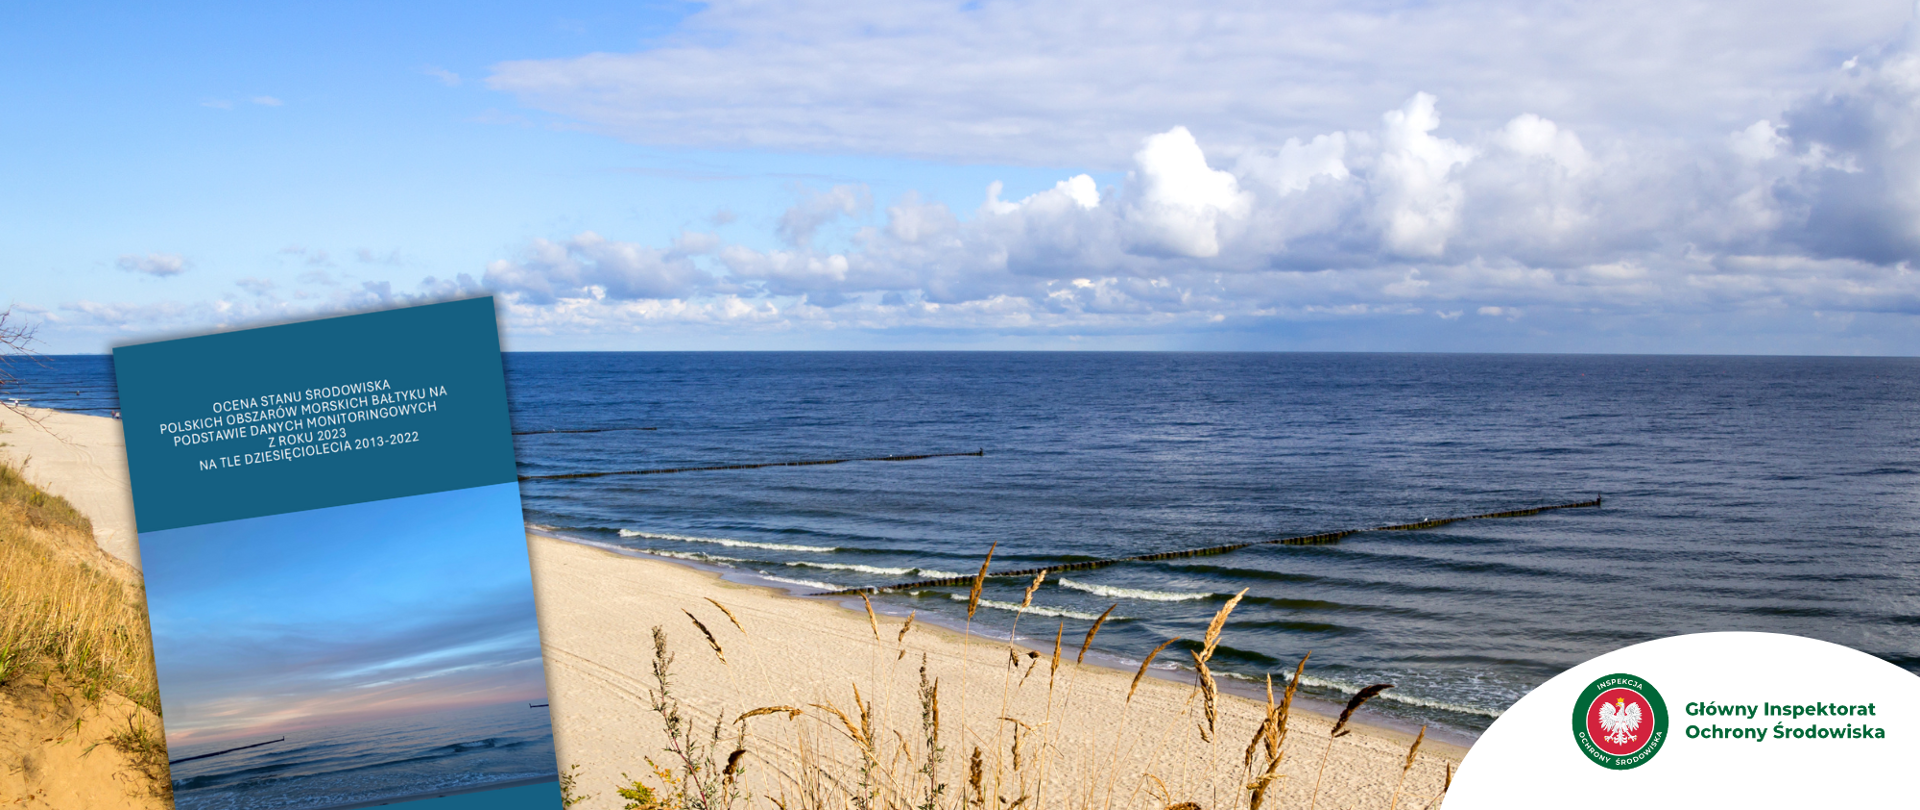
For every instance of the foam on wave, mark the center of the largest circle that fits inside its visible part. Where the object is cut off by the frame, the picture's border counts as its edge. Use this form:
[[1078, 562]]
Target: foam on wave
[[722, 541], [1132, 593], [928, 573]]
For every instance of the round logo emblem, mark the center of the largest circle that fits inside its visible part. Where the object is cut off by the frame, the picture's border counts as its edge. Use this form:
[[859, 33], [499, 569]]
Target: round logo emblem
[[1620, 721]]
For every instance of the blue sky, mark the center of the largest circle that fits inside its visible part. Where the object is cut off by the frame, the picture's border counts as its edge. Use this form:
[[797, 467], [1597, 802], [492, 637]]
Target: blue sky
[[335, 615], [1477, 176]]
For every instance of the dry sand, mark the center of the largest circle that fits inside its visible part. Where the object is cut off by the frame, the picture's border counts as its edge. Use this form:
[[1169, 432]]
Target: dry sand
[[55, 747], [82, 459], [597, 608], [1088, 747]]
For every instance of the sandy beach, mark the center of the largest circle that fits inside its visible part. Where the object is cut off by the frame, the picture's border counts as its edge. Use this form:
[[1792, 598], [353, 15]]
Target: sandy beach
[[82, 459], [1084, 744]]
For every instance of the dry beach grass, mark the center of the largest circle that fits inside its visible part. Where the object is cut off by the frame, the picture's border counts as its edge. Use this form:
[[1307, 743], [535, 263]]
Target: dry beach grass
[[79, 705], [816, 707]]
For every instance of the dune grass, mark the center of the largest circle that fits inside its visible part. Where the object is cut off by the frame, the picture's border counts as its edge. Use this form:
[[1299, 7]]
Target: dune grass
[[866, 755], [60, 613]]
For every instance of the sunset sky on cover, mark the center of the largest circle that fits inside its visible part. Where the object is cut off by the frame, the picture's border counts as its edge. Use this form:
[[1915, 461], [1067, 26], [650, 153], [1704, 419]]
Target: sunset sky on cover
[[344, 614]]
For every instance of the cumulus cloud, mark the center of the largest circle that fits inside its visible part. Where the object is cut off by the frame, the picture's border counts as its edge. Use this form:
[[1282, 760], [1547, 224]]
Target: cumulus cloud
[[1513, 213], [799, 223], [1414, 215], [591, 266], [1418, 200], [1181, 204], [159, 265]]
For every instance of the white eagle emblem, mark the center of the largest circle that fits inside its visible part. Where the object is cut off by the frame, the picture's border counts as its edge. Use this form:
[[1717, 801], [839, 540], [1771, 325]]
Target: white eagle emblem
[[1620, 719]]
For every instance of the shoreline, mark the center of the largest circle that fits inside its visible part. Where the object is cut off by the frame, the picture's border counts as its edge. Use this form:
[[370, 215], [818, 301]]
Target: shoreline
[[1095, 740], [1383, 725], [597, 605]]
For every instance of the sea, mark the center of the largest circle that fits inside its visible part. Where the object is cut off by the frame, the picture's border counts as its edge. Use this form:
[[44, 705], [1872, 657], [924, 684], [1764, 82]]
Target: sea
[[370, 761], [1777, 494]]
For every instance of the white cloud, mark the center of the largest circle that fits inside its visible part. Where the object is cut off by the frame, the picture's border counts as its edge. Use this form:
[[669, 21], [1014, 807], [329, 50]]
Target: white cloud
[[798, 224], [446, 77], [1295, 165], [1181, 204], [1077, 82], [591, 266], [267, 101], [1759, 142], [159, 265], [1417, 197], [1512, 209]]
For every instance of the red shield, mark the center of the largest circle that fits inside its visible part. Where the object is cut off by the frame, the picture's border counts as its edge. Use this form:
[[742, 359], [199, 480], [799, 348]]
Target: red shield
[[1631, 721]]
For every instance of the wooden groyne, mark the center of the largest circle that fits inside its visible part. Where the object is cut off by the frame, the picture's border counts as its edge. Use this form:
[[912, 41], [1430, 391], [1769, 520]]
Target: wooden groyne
[[1321, 539], [666, 470], [228, 751]]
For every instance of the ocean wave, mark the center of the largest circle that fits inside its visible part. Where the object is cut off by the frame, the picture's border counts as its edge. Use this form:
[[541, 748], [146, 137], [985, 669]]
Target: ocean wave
[[1037, 610], [1410, 700], [804, 583], [696, 556], [1132, 593], [722, 541], [928, 573]]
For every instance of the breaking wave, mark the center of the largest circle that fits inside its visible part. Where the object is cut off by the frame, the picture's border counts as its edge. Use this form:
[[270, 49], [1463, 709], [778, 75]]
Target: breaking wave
[[1132, 593], [1410, 700], [929, 573], [804, 583], [722, 541], [1037, 610]]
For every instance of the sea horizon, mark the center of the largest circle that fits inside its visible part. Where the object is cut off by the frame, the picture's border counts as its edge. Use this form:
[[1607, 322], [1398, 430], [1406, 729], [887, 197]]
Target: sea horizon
[[1742, 493]]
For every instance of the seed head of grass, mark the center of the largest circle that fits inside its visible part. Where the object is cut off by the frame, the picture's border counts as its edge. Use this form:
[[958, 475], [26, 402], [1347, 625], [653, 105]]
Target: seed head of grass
[[1360, 697], [1219, 622], [1261, 732], [1413, 751], [1093, 631], [976, 770], [1211, 694], [1259, 787], [1143, 667], [905, 627], [730, 616], [973, 595], [709, 634], [853, 731], [871, 620], [790, 711], [1027, 601], [733, 764], [1286, 707], [1056, 652]]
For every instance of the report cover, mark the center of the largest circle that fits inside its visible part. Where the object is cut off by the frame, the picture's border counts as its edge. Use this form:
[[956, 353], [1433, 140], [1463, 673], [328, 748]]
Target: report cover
[[336, 569]]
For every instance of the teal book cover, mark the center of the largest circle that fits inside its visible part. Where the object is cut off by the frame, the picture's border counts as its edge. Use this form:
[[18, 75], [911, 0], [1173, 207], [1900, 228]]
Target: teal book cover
[[336, 565]]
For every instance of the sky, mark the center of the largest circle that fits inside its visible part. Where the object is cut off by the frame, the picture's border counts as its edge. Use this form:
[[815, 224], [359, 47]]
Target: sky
[[339, 615], [1486, 175]]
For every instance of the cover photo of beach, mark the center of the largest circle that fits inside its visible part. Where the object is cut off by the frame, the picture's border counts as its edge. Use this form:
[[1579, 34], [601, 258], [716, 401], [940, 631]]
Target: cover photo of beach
[[359, 653]]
